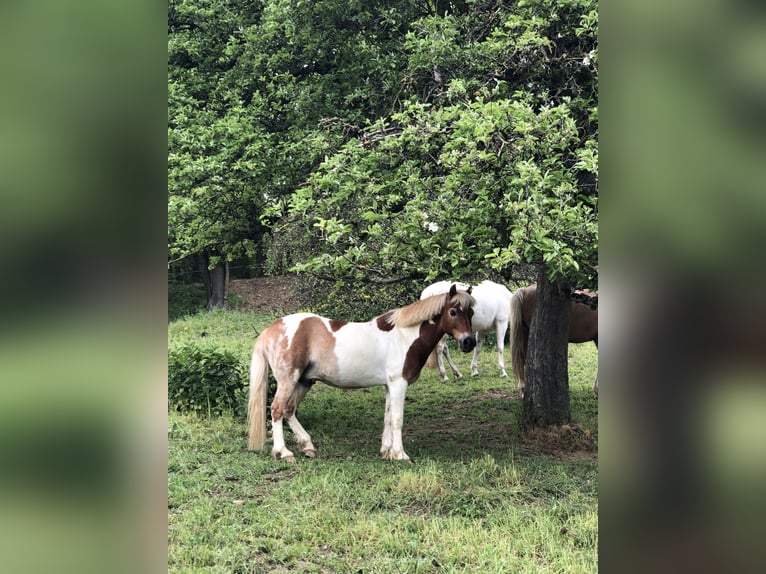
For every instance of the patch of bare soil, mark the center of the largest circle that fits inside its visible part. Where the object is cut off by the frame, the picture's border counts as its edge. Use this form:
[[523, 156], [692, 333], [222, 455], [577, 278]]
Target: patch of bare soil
[[565, 441], [278, 294]]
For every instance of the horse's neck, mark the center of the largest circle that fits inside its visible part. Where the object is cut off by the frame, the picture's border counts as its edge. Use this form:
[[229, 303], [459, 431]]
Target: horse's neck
[[425, 335], [419, 348], [429, 335]]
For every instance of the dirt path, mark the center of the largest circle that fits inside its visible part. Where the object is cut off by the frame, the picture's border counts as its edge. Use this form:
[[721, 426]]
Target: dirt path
[[276, 294]]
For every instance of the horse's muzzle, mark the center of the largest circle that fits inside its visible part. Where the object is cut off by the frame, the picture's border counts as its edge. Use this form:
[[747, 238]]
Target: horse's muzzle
[[467, 343]]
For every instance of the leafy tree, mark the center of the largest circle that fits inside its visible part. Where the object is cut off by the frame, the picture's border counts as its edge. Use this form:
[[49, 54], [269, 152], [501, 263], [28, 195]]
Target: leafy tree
[[393, 143], [489, 163], [215, 155], [259, 94]]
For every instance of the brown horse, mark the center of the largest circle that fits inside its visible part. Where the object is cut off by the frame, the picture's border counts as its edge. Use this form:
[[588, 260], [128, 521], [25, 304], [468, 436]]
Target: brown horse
[[583, 327], [388, 350]]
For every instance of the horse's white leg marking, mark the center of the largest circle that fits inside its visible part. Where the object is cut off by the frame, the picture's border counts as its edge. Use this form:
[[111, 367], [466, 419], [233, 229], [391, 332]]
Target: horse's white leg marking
[[279, 450], [476, 351], [500, 329], [388, 438], [397, 389], [301, 436], [279, 406], [441, 349], [453, 366]]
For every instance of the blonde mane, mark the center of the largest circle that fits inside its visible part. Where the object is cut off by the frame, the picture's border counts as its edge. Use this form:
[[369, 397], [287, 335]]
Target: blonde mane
[[425, 309]]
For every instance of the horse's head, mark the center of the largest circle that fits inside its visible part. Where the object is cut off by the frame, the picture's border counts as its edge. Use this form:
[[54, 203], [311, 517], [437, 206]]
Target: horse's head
[[456, 316]]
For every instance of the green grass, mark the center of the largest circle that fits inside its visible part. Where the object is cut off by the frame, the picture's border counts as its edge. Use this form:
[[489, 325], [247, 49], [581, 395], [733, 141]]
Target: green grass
[[479, 496]]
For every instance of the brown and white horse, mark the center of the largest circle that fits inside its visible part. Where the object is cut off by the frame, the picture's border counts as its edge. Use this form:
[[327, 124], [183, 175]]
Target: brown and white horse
[[389, 350], [492, 311], [583, 327]]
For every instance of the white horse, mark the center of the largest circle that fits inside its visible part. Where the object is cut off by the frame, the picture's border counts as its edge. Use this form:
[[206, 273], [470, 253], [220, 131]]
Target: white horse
[[389, 350], [492, 311]]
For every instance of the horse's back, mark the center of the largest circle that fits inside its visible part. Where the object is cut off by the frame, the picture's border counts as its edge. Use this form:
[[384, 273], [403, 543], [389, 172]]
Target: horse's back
[[442, 287], [583, 323], [493, 305]]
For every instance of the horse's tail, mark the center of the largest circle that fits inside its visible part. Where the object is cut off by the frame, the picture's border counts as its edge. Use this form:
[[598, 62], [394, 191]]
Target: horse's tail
[[432, 362], [256, 405], [518, 336]]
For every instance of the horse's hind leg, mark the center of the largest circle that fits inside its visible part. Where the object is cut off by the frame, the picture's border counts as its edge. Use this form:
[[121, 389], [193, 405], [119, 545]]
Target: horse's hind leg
[[283, 406], [500, 331], [595, 383], [301, 436]]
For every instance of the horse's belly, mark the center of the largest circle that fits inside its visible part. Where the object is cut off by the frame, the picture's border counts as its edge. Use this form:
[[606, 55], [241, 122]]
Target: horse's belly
[[361, 360], [365, 369]]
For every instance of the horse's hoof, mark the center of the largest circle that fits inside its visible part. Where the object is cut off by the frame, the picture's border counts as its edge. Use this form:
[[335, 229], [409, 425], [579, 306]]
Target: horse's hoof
[[476, 374], [285, 456], [391, 455], [310, 453], [503, 375]]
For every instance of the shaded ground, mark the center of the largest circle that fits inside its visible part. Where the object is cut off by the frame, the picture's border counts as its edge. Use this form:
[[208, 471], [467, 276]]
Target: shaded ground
[[488, 421], [282, 295], [277, 294]]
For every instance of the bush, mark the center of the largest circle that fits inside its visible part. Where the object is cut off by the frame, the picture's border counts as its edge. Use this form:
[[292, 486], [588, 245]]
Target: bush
[[206, 381], [185, 300], [361, 301]]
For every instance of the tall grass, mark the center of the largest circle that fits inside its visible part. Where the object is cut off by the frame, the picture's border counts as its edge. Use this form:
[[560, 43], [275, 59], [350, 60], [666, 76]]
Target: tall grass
[[480, 495]]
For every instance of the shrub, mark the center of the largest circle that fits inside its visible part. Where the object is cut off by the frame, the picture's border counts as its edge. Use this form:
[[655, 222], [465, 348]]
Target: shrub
[[185, 300], [361, 301], [206, 381]]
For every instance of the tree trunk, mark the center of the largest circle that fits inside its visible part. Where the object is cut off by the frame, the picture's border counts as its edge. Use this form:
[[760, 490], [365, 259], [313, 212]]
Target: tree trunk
[[215, 284], [546, 398]]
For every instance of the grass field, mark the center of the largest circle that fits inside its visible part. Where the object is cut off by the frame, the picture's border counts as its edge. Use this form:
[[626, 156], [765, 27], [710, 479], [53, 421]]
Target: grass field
[[479, 496]]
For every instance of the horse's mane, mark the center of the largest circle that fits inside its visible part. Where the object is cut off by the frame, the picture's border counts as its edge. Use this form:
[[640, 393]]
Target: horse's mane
[[425, 309]]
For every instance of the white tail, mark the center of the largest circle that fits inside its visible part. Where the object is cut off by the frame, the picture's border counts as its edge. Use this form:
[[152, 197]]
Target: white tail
[[256, 405]]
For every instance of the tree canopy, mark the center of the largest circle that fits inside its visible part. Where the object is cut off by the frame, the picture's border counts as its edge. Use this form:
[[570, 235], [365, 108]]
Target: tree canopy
[[386, 142]]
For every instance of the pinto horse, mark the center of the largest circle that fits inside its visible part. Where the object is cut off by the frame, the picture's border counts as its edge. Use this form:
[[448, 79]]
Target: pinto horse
[[492, 311], [388, 350], [583, 327]]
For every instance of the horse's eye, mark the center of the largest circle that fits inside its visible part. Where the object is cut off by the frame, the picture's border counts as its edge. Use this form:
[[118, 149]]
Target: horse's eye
[[452, 313]]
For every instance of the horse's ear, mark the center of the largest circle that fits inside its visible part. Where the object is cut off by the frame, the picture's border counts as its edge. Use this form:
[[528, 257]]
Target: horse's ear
[[470, 288], [453, 290]]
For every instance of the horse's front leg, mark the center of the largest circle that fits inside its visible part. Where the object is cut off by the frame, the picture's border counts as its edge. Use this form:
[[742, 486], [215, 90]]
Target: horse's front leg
[[453, 366], [388, 439], [476, 351], [392, 447], [441, 350]]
